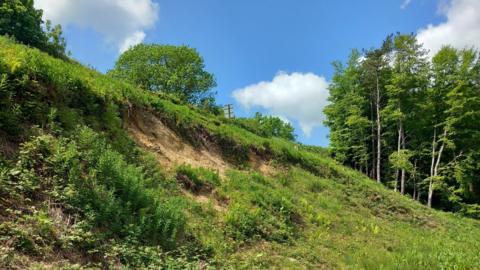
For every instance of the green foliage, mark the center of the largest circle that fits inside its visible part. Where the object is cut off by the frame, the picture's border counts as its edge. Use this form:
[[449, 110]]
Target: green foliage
[[197, 179], [20, 19], [258, 211], [170, 69], [9, 112], [87, 175], [208, 105], [415, 117], [243, 223], [401, 160], [267, 126], [349, 133]]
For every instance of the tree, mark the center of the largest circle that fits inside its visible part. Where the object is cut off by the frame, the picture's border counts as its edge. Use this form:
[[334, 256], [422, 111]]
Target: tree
[[462, 123], [275, 127], [409, 80], [164, 68], [375, 73], [20, 19], [423, 114], [347, 114], [444, 72], [267, 126]]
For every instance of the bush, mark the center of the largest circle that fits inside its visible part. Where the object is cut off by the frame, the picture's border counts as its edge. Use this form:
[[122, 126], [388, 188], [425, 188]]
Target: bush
[[9, 113], [470, 210], [85, 174], [243, 223], [316, 186], [197, 179], [267, 126]]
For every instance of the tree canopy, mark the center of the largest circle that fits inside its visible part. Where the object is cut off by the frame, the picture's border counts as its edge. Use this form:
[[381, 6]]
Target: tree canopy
[[178, 70], [268, 126], [411, 122], [19, 19]]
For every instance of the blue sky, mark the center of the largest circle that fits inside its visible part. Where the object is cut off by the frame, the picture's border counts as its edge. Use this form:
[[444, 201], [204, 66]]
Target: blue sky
[[251, 41]]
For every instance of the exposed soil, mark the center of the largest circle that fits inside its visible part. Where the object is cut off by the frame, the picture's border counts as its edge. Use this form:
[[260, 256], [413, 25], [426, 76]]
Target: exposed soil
[[152, 134]]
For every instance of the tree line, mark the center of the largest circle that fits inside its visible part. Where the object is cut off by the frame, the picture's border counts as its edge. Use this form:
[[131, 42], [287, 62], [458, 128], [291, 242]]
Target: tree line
[[410, 121]]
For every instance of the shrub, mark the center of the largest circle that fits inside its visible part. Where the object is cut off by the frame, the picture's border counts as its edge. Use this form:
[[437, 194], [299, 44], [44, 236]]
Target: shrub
[[267, 126], [243, 223], [470, 210], [9, 113], [85, 174], [250, 224], [316, 186], [197, 179]]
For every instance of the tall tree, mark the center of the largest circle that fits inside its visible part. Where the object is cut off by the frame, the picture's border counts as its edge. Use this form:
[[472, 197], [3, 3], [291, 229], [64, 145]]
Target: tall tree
[[375, 70], [409, 79], [347, 114], [444, 73], [421, 113], [463, 121], [178, 70]]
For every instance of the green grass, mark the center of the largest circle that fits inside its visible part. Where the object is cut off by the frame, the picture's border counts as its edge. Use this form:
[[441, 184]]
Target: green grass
[[349, 224], [64, 150]]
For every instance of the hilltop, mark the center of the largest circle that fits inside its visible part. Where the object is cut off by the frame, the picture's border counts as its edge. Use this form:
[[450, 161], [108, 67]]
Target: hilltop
[[96, 173]]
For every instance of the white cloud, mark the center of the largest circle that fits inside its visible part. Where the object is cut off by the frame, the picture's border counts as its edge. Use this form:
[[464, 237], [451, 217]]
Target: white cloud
[[132, 40], [462, 28], [405, 4], [121, 22], [297, 96]]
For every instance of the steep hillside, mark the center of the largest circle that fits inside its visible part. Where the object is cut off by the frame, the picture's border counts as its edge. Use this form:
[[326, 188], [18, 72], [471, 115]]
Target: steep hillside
[[95, 173]]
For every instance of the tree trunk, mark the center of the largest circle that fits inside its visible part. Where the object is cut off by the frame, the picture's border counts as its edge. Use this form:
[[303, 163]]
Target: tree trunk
[[433, 150], [372, 126], [402, 177], [414, 179], [430, 192], [399, 147], [366, 167], [379, 131], [435, 172], [430, 182], [396, 180], [434, 168], [414, 190]]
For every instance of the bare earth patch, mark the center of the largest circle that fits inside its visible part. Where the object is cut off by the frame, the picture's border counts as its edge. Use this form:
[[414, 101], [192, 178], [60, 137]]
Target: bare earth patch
[[152, 134]]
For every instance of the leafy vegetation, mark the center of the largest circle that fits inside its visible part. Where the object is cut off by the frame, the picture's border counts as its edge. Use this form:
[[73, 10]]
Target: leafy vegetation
[[20, 20], [170, 69], [76, 192], [411, 122], [267, 126], [197, 179]]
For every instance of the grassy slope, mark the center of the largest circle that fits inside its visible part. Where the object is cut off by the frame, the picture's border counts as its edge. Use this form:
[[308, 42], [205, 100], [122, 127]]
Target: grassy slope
[[311, 212]]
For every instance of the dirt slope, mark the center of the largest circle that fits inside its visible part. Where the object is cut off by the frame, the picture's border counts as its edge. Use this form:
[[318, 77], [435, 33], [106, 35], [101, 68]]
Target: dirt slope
[[152, 134]]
